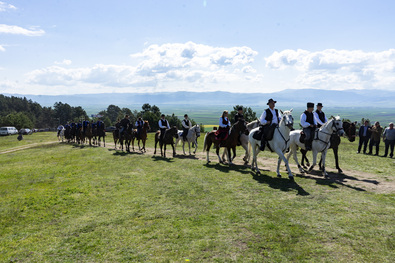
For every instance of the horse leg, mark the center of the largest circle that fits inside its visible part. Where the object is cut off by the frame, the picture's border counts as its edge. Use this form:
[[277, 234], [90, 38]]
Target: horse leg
[[315, 153], [254, 163], [183, 146], [156, 142], [304, 157], [104, 141], [335, 152], [293, 150], [324, 173], [189, 147], [174, 149], [164, 150], [219, 157]]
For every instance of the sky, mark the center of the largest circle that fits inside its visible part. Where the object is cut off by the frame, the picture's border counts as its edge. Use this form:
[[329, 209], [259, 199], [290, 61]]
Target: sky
[[84, 46]]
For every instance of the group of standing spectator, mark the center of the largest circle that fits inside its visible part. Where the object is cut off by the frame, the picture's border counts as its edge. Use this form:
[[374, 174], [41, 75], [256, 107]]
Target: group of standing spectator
[[371, 135]]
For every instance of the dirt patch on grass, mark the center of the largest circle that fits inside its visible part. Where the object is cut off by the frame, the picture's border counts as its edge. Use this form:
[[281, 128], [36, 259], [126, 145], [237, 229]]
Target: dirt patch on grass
[[357, 180]]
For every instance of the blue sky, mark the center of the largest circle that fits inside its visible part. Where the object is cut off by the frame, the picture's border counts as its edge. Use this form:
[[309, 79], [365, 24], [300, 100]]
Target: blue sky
[[73, 47]]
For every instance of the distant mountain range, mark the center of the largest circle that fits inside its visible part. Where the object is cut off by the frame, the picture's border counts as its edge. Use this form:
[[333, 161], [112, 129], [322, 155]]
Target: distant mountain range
[[293, 98]]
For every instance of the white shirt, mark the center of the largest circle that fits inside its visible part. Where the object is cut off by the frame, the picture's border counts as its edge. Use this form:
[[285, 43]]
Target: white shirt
[[224, 125], [263, 121], [184, 125], [164, 127], [137, 123], [317, 118], [60, 127], [303, 121]]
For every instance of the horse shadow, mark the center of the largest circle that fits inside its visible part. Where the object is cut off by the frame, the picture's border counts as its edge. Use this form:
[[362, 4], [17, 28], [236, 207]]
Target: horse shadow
[[161, 158], [182, 156], [283, 184], [226, 168], [334, 180], [122, 153]]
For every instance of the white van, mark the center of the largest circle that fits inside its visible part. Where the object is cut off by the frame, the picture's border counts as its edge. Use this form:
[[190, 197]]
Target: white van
[[8, 130]]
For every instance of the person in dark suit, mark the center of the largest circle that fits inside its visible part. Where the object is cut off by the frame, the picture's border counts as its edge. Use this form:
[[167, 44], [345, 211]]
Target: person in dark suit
[[364, 136]]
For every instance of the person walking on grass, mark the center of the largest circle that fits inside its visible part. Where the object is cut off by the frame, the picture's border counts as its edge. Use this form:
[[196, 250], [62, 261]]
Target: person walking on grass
[[389, 139]]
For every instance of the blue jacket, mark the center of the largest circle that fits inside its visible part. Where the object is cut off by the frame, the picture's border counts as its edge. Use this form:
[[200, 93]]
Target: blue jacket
[[362, 129]]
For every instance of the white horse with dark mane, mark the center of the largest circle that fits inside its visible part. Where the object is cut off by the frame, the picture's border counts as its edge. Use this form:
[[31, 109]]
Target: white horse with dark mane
[[279, 143], [321, 142], [61, 134], [193, 134]]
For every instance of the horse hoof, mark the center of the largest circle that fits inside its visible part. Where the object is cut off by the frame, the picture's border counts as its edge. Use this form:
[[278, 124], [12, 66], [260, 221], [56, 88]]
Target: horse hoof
[[291, 178], [258, 172], [279, 175], [340, 171], [308, 164]]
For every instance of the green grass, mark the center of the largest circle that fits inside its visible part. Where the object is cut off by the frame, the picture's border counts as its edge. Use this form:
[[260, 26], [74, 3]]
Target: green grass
[[67, 203]]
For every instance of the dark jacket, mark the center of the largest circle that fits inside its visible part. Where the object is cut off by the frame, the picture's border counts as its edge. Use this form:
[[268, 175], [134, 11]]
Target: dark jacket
[[361, 131]]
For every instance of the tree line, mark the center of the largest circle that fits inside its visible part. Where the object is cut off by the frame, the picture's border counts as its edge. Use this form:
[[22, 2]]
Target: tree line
[[24, 113]]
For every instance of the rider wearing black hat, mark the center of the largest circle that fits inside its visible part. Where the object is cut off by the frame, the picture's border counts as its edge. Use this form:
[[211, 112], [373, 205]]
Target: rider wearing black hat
[[186, 125], [268, 120], [319, 115], [239, 115], [309, 124], [163, 125]]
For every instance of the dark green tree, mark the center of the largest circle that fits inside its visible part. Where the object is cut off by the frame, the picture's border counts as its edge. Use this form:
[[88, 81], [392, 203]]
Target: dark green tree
[[249, 114]]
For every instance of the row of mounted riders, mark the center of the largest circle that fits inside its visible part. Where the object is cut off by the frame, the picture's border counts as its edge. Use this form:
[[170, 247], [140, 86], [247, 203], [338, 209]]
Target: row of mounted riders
[[241, 133]]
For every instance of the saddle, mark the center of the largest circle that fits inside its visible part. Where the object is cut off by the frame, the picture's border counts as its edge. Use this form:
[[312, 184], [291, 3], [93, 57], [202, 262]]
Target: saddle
[[267, 131], [221, 134]]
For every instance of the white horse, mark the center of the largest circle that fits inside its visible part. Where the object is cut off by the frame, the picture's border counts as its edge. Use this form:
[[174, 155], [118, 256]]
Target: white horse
[[61, 134], [193, 134], [244, 142], [279, 143], [321, 142]]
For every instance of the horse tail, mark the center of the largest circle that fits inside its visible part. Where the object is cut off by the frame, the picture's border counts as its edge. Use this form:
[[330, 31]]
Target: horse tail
[[205, 142]]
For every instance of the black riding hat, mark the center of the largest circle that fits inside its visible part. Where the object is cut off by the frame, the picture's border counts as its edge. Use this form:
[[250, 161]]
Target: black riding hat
[[310, 105], [270, 100], [319, 104]]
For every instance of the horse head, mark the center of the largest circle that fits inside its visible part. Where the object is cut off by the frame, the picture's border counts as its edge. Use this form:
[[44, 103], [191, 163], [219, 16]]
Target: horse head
[[337, 125], [252, 125], [240, 126], [196, 129], [174, 132], [146, 125], [288, 119], [350, 130]]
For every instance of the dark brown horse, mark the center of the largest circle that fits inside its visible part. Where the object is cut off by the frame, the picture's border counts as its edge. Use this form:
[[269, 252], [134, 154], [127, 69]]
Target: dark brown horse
[[349, 130], [167, 139], [229, 143], [101, 133], [89, 133], [115, 135], [129, 137], [142, 136]]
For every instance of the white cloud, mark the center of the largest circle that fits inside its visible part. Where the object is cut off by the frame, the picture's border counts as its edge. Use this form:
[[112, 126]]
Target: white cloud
[[64, 62], [16, 30], [4, 6], [337, 69], [182, 66], [2, 48]]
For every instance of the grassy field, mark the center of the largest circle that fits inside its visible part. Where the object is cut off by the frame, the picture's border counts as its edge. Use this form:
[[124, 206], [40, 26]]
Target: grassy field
[[70, 203]]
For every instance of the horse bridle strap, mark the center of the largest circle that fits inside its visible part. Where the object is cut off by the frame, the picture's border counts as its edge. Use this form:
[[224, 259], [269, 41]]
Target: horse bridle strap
[[282, 136]]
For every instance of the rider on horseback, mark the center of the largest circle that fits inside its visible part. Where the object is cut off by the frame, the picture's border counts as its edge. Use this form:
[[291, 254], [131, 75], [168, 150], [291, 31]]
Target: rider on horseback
[[239, 116], [139, 125], [124, 124], [84, 126], [319, 115], [60, 128], [309, 124], [163, 125], [224, 126], [269, 119], [186, 125]]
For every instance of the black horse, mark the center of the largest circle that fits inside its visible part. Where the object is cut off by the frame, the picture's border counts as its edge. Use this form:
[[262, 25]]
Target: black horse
[[167, 139], [350, 131]]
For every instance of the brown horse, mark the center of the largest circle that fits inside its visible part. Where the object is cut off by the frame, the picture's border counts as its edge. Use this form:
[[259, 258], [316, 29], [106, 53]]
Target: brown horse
[[129, 137], [167, 139], [115, 135], [350, 131], [89, 133], [142, 136], [101, 133], [229, 143]]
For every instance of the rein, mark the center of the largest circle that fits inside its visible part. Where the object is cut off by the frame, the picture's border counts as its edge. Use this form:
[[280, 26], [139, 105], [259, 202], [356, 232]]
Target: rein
[[333, 132]]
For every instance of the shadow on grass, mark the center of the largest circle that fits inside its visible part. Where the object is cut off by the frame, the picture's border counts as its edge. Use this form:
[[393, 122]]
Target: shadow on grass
[[283, 184], [182, 156], [160, 158], [122, 153], [334, 180], [225, 168]]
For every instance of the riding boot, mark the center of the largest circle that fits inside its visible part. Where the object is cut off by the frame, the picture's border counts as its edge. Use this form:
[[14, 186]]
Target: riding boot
[[263, 144], [308, 144]]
